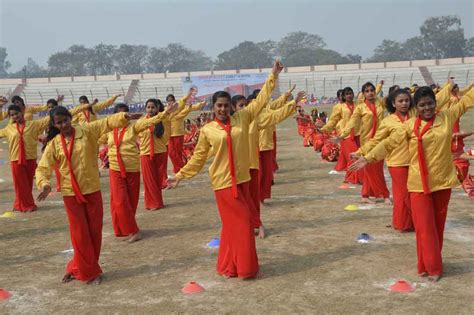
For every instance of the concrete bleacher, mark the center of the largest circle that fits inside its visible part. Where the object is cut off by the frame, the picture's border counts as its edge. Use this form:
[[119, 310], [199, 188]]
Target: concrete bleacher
[[157, 88]]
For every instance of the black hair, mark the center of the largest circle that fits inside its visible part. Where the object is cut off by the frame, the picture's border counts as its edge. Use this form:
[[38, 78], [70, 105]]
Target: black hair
[[218, 94], [52, 130], [170, 95], [159, 129], [53, 102], [344, 91], [339, 93], [455, 86], [433, 86], [14, 107], [390, 101], [120, 106], [393, 88], [84, 99], [17, 98], [366, 85], [256, 91], [251, 97], [236, 98], [424, 91]]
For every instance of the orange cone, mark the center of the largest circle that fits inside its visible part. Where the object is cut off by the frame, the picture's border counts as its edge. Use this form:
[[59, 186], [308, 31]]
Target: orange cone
[[192, 288], [4, 294], [402, 286]]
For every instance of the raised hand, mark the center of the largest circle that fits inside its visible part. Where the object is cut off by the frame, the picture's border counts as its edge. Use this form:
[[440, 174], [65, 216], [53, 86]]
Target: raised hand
[[60, 98], [172, 107], [300, 96], [44, 193], [290, 91], [277, 67], [119, 95], [360, 163]]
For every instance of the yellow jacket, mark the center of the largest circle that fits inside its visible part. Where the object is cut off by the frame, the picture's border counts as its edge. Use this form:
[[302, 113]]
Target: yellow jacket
[[339, 118], [33, 129], [212, 143], [363, 118], [361, 98], [177, 120], [436, 147], [84, 156], [29, 112], [128, 148], [265, 135], [267, 118], [82, 118], [443, 97]]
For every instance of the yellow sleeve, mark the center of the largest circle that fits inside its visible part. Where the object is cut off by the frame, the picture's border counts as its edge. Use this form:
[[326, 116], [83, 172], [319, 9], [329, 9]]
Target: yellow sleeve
[[274, 117], [256, 106], [336, 116], [385, 147], [466, 89], [41, 124], [3, 132], [279, 102], [360, 98], [102, 126], [101, 105], [197, 106], [37, 109], [381, 134], [3, 115], [45, 167], [354, 121], [78, 109], [103, 139], [143, 124], [443, 97], [198, 159], [465, 103]]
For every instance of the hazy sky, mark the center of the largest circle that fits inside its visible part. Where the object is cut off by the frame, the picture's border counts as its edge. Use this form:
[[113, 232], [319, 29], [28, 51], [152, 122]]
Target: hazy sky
[[38, 28]]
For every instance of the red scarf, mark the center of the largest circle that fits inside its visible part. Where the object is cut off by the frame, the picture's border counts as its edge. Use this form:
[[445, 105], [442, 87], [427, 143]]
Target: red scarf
[[230, 152], [87, 114], [351, 108], [118, 138], [373, 109], [68, 153], [21, 153], [421, 155], [152, 146], [402, 118]]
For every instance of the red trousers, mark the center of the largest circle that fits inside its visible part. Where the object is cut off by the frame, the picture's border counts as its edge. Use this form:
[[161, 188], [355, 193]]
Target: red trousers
[[175, 148], [152, 180], [462, 168], [58, 177], [429, 215], [237, 255], [164, 171], [274, 156], [401, 216], [374, 181], [23, 184], [124, 195], [347, 147], [85, 225], [266, 174], [254, 197]]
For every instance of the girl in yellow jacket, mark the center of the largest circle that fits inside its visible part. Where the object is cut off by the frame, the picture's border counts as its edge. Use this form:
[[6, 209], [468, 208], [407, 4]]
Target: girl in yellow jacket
[[431, 174], [75, 148], [227, 140], [91, 114], [124, 172], [28, 111]]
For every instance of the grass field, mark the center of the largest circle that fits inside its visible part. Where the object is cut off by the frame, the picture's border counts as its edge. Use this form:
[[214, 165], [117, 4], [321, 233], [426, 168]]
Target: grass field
[[310, 262]]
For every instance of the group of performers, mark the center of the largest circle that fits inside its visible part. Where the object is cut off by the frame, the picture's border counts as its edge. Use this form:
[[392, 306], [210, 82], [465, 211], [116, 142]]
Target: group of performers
[[239, 134]]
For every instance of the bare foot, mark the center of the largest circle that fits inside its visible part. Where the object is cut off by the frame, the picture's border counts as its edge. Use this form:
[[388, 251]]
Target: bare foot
[[95, 281], [387, 201], [261, 232], [68, 277], [123, 238], [367, 200], [135, 237], [434, 278], [423, 274]]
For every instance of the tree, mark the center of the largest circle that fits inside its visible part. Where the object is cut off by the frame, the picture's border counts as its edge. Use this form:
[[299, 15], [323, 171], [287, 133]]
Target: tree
[[443, 36], [101, 60], [354, 58], [73, 61], [469, 47], [389, 50], [4, 64], [131, 58], [246, 55], [299, 40], [319, 56]]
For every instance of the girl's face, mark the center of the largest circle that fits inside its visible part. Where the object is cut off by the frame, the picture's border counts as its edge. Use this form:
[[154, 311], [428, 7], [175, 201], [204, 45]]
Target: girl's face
[[16, 117], [402, 103], [240, 105], [222, 108], [455, 91], [170, 100], [63, 123], [426, 107], [349, 96], [369, 94], [151, 109]]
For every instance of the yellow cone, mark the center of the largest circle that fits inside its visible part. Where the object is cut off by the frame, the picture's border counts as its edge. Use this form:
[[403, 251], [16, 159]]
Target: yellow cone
[[8, 214], [351, 208]]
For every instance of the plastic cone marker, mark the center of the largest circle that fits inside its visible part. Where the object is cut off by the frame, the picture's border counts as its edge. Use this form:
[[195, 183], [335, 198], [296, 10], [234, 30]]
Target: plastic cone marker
[[2, 180], [402, 286], [7, 214], [364, 238], [351, 208], [4, 294], [344, 186], [192, 288], [333, 172], [214, 243]]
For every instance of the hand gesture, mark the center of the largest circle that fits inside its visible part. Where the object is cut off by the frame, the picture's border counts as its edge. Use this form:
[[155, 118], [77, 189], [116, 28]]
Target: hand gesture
[[3, 101], [300, 96], [119, 95], [173, 182], [382, 82], [172, 107], [335, 139], [451, 80], [277, 67], [354, 156], [360, 163], [44, 193], [290, 91]]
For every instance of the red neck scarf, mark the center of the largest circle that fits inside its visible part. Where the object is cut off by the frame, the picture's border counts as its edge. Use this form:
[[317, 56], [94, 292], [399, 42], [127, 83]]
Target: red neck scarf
[[350, 106], [402, 118], [87, 114], [118, 138], [68, 153], [230, 152], [22, 157], [373, 109], [421, 155]]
